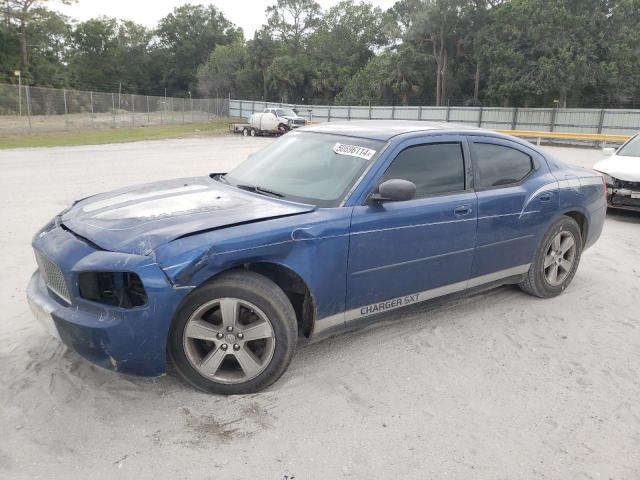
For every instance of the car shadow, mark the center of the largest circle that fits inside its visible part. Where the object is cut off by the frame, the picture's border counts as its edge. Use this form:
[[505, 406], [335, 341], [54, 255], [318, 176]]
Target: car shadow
[[626, 216]]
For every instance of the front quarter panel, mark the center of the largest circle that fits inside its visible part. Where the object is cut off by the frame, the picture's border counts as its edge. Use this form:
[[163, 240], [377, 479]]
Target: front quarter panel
[[313, 245]]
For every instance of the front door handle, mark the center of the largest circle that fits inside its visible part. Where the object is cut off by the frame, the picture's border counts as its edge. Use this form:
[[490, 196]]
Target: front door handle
[[462, 210]]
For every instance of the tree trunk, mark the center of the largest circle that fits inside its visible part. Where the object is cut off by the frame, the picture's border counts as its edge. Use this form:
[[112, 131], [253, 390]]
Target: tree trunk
[[476, 85], [438, 86], [24, 58], [7, 18], [563, 97], [436, 56], [443, 82], [264, 85]]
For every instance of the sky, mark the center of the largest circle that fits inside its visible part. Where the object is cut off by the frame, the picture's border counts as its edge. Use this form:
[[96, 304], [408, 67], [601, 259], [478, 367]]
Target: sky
[[248, 14]]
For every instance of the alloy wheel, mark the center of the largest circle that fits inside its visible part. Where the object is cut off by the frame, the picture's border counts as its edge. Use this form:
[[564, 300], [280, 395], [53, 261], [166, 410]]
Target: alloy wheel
[[229, 340], [559, 258]]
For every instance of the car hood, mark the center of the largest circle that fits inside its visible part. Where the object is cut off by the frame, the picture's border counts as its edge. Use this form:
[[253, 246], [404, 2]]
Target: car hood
[[620, 167], [140, 219]]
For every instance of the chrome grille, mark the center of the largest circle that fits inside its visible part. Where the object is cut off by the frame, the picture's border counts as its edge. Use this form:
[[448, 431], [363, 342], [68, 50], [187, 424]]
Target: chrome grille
[[53, 277]]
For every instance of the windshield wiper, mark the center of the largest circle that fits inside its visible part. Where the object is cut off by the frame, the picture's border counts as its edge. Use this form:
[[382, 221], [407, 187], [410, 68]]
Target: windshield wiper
[[263, 191]]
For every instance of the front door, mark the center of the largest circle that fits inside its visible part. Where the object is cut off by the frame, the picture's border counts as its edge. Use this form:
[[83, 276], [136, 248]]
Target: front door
[[406, 252]]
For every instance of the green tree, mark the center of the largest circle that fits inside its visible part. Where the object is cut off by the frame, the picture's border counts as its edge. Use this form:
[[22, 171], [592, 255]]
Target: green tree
[[288, 76], [48, 34], [343, 42], [262, 50], [186, 38], [292, 21], [227, 71], [9, 53], [538, 51], [23, 13]]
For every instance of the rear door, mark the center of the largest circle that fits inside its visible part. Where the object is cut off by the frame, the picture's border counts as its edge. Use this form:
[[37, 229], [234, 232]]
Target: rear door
[[405, 252], [517, 196]]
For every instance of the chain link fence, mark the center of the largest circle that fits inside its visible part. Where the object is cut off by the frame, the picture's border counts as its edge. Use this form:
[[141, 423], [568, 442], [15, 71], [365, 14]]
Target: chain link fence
[[40, 109]]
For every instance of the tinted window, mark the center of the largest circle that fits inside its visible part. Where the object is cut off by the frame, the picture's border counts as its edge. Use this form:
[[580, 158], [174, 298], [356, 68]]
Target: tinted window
[[499, 165], [434, 168]]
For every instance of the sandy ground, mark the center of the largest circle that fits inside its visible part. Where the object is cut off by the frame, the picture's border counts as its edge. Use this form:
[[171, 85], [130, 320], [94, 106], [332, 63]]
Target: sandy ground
[[496, 386]]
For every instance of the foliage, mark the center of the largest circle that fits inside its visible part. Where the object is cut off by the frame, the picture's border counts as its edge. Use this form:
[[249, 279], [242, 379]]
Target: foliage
[[458, 52], [185, 39]]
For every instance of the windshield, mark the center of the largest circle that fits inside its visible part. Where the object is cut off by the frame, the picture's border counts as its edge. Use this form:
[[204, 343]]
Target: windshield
[[313, 168], [631, 148], [286, 112]]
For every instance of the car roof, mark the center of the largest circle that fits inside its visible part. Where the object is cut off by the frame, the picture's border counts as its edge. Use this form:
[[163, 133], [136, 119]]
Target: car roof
[[387, 129]]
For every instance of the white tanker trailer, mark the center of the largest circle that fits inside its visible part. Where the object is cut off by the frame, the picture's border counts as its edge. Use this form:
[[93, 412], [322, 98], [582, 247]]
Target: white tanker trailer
[[272, 121]]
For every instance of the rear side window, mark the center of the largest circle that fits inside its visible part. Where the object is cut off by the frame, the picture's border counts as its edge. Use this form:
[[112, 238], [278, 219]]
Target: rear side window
[[434, 168], [499, 165]]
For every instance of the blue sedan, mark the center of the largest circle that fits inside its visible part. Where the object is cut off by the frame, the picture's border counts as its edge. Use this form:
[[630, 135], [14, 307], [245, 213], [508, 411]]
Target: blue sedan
[[324, 230]]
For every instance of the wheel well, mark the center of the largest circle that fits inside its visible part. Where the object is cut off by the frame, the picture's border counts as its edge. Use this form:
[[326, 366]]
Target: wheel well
[[296, 290], [582, 223]]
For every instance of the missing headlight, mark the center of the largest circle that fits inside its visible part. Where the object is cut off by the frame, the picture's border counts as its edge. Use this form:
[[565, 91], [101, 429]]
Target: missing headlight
[[118, 289]]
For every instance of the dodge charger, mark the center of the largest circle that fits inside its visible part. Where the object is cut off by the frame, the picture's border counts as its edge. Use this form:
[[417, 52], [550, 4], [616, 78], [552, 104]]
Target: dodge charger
[[324, 230]]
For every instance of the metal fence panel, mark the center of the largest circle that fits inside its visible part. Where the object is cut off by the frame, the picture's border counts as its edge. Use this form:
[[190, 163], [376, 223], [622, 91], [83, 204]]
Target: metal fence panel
[[580, 120], [464, 115], [535, 119], [434, 114], [360, 113]]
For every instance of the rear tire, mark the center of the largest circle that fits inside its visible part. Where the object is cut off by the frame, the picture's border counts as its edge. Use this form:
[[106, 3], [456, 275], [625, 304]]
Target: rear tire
[[234, 335], [556, 260], [245, 132], [253, 132]]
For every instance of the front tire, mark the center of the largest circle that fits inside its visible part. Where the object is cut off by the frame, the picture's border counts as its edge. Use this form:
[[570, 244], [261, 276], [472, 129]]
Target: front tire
[[556, 260], [282, 128], [234, 335]]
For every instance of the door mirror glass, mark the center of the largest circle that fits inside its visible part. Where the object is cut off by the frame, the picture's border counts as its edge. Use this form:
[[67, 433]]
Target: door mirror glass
[[395, 190]]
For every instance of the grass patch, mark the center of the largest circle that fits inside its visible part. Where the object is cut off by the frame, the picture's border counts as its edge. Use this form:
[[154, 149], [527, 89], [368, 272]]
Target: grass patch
[[112, 135]]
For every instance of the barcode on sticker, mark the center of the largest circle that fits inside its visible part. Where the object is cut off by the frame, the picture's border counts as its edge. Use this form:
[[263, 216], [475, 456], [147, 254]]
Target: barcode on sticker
[[354, 151]]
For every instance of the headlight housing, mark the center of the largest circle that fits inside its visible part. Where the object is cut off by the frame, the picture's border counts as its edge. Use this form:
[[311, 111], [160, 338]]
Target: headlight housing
[[117, 289], [609, 180]]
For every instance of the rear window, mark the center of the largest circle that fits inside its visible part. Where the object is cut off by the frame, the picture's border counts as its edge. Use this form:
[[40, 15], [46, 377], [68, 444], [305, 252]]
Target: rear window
[[498, 165]]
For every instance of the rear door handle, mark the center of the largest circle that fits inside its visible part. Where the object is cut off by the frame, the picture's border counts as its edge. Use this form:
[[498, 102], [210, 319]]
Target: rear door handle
[[462, 210], [545, 197]]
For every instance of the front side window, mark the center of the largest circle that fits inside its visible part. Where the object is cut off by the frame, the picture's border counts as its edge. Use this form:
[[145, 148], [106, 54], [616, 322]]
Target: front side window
[[499, 165], [313, 168], [434, 168], [285, 112]]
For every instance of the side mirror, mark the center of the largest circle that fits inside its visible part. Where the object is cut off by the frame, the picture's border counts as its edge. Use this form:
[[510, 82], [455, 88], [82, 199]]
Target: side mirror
[[395, 190], [609, 150]]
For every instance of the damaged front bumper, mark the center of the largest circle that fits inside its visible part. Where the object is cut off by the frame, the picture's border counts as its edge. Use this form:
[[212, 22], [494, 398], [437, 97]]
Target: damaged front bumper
[[623, 198], [128, 340]]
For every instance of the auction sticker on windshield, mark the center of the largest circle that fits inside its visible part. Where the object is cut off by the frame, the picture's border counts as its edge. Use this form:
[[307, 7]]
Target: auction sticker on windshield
[[354, 151]]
